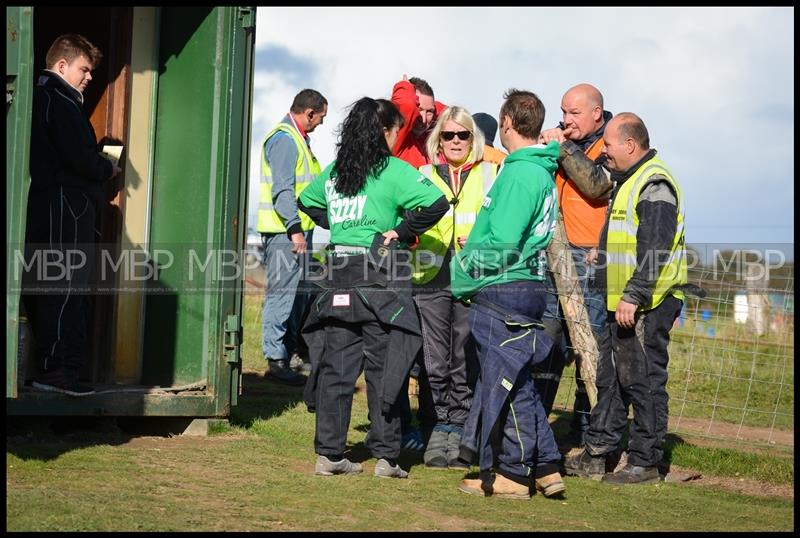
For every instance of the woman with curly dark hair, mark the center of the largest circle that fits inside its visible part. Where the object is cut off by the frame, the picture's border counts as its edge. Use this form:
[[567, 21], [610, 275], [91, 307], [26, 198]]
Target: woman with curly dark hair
[[363, 317]]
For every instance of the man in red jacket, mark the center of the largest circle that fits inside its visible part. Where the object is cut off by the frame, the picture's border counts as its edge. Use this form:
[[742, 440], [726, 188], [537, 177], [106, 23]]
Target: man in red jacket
[[414, 98]]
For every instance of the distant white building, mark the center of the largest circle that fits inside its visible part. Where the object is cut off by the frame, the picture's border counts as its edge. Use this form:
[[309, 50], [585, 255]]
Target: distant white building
[[740, 307], [773, 310]]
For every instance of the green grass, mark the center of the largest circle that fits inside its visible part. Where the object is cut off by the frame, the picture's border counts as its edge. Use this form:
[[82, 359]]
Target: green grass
[[715, 458], [735, 376], [257, 474], [731, 463], [266, 495], [252, 357]]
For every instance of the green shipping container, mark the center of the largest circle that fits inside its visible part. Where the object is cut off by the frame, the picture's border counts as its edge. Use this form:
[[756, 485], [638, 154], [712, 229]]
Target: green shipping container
[[174, 89]]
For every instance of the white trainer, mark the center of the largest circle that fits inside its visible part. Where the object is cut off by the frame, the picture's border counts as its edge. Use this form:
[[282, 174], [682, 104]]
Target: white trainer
[[384, 470]]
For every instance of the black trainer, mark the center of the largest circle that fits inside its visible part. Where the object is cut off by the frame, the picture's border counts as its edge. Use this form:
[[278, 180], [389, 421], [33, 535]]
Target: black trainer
[[280, 371], [633, 474], [62, 381]]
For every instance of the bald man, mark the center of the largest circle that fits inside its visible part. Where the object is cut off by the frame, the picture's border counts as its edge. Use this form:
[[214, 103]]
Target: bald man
[[642, 268], [582, 189]]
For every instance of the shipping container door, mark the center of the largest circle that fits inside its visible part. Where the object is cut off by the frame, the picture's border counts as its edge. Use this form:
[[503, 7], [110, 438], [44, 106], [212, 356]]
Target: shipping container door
[[197, 226], [19, 60]]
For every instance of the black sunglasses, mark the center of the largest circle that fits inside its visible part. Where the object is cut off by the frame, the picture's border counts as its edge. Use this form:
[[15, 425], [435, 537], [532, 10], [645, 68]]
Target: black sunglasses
[[447, 136]]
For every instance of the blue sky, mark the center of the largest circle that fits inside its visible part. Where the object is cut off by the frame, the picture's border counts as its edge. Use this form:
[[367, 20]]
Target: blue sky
[[714, 86]]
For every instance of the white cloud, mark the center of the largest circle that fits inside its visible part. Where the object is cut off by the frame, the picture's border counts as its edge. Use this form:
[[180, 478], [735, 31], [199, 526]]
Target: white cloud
[[714, 85]]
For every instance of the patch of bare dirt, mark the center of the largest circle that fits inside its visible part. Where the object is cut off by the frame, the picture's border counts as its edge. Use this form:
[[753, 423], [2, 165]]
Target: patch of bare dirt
[[743, 486], [706, 433], [180, 442], [732, 431], [725, 432], [692, 477]]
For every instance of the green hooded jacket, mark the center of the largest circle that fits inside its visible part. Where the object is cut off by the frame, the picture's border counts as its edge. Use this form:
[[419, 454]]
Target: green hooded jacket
[[514, 226]]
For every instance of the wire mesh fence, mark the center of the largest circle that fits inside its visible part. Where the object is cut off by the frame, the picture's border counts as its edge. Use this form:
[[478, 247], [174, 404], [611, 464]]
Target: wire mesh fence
[[731, 369]]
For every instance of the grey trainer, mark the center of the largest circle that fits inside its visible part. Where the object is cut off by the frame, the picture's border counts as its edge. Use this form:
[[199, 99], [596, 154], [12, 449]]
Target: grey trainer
[[453, 449], [435, 455], [326, 467], [384, 470]]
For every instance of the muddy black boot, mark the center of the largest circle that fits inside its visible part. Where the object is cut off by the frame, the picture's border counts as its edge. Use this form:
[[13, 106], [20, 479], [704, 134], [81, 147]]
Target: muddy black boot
[[585, 465], [280, 371]]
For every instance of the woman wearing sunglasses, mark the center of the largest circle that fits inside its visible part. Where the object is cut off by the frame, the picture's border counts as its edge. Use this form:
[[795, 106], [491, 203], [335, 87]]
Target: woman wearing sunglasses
[[455, 148]]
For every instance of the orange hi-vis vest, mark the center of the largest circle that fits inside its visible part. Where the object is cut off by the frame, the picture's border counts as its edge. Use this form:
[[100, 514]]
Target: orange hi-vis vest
[[583, 218]]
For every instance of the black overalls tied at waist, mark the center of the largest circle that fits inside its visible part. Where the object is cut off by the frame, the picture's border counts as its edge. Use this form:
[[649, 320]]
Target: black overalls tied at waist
[[358, 289], [384, 264]]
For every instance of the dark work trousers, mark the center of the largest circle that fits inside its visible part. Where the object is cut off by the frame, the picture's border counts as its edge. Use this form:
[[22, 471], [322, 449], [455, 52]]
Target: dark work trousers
[[633, 371], [526, 438], [404, 408], [61, 245], [450, 361], [349, 349]]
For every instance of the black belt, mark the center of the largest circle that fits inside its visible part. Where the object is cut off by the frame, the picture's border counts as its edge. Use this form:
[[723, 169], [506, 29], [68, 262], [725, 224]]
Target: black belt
[[508, 317]]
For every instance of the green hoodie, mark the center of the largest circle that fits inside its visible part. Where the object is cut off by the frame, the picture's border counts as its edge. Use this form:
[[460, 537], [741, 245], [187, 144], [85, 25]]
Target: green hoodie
[[513, 227]]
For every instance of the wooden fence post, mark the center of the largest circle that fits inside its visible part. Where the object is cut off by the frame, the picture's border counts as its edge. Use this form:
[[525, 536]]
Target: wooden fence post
[[584, 344]]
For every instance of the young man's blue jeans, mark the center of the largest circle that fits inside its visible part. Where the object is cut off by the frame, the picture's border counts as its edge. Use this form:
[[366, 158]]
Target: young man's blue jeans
[[527, 444], [284, 308]]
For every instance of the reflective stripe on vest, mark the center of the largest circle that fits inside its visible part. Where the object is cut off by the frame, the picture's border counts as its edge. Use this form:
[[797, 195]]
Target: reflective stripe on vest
[[306, 169], [429, 255], [621, 243]]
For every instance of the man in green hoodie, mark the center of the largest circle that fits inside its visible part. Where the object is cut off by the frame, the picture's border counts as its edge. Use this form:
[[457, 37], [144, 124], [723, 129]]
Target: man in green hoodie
[[501, 270]]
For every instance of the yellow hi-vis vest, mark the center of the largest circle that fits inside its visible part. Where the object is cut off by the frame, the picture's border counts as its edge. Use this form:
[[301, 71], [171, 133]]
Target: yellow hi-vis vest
[[306, 169], [458, 221], [621, 245]]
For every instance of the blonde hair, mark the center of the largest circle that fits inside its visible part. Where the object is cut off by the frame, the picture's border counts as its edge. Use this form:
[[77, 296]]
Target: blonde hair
[[461, 116]]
